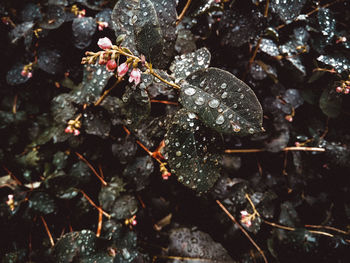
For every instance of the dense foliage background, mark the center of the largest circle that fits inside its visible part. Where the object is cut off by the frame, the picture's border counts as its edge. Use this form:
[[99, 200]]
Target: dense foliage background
[[294, 55]]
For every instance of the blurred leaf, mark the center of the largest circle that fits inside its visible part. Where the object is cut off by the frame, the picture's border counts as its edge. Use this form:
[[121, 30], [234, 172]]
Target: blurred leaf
[[197, 246], [287, 10], [54, 16], [83, 29], [330, 103]]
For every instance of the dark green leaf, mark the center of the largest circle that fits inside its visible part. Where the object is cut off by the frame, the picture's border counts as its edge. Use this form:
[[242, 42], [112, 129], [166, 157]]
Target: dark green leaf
[[192, 152], [222, 102]]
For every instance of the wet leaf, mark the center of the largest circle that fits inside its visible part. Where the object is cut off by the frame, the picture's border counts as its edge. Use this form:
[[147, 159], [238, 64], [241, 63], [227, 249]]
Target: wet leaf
[[96, 122], [327, 23], [269, 47], [338, 61], [192, 152], [14, 77], [148, 35], [83, 29], [62, 108], [111, 192], [166, 14], [50, 60], [24, 30], [147, 30], [330, 103], [139, 171], [197, 245], [82, 245], [287, 10], [54, 17], [123, 19], [222, 101], [124, 207], [136, 107], [238, 26], [30, 12], [186, 64], [42, 203]]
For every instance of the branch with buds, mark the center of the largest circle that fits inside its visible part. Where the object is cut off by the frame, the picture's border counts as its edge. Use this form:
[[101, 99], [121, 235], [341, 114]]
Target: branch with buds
[[110, 54]]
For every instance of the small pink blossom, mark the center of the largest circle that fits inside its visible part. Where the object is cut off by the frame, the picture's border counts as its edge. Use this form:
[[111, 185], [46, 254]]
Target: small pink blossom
[[111, 65], [76, 132], [123, 69], [104, 43], [166, 175], [346, 91], [68, 129], [135, 76], [339, 89], [102, 25], [246, 218]]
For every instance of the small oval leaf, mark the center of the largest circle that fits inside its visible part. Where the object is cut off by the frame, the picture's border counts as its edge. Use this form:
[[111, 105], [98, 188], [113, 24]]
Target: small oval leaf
[[222, 101]]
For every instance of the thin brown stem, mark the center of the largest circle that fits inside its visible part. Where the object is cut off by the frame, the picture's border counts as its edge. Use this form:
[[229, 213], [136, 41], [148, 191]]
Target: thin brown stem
[[165, 102], [251, 60], [106, 92], [293, 229], [99, 225], [14, 106], [267, 8], [242, 229], [329, 228], [91, 167], [47, 231], [94, 205], [182, 14], [293, 148]]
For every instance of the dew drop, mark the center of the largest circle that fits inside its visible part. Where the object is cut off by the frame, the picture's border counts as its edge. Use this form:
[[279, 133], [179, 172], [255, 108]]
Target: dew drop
[[220, 119], [223, 86], [251, 130], [235, 106], [190, 91], [242, 96], [224, 95], [178, 153], [191, 115], [199, 101], [214, 103]]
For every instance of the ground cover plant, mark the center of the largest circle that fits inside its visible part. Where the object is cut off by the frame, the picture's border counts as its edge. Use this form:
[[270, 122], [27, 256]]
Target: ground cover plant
[[174, 131]]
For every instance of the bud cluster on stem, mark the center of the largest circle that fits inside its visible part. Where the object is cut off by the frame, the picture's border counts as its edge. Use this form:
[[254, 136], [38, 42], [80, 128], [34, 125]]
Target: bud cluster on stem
[[344, 87], [110, 56]]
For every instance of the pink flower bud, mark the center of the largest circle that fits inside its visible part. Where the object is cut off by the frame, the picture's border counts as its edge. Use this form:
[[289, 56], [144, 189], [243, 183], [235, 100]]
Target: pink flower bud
[[122, 69], [102, 25], [134, 222], [29, 74], [68, 129], [346, 91], [289, 118], [166, 175], [339, 89], [104, 43], [111, 65], [76, 132], [24, 73], [135, 76]]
